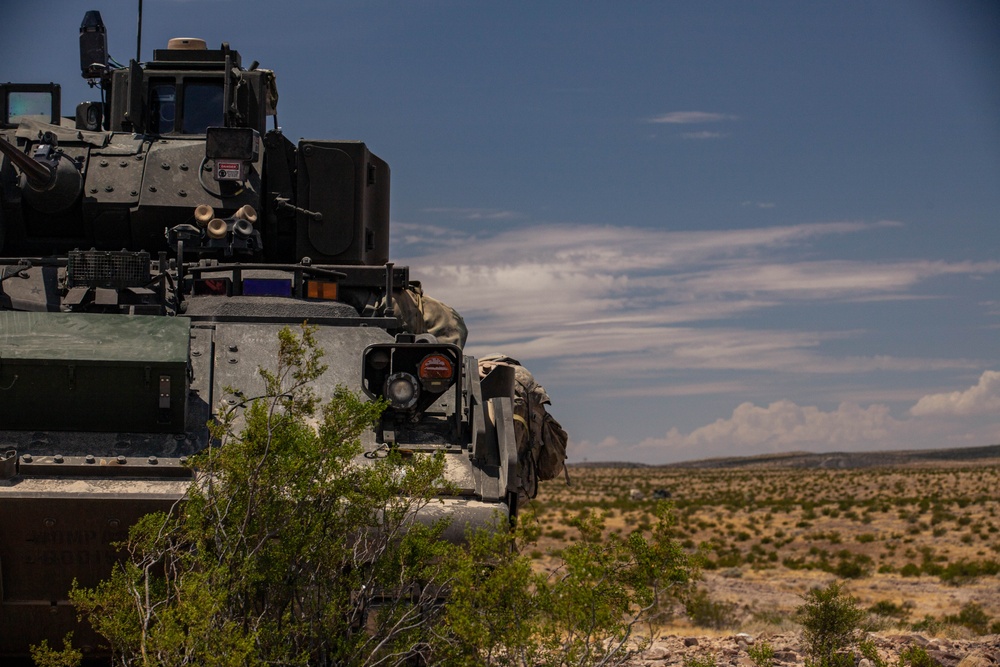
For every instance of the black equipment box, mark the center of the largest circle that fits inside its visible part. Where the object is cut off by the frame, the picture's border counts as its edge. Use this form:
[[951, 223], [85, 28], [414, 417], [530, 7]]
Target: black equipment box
[[93, 372]]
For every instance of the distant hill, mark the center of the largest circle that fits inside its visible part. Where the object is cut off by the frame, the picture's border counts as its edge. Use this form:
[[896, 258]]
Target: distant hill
[[896, 458]]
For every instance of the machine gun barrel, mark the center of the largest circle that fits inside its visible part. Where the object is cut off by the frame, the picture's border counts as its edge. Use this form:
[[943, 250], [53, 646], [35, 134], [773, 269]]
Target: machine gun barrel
[[39, 175]]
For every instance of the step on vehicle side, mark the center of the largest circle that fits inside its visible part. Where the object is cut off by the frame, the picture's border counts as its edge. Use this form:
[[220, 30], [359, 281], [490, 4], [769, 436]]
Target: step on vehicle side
[[151, 248]]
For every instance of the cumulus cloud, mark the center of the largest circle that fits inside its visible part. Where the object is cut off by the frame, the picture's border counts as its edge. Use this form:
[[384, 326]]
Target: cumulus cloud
[[691, 117], [783, 425], [983, 398]]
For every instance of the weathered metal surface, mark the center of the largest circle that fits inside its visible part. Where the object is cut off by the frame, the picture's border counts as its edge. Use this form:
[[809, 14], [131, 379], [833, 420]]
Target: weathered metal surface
[[68, 371], [136, 289]]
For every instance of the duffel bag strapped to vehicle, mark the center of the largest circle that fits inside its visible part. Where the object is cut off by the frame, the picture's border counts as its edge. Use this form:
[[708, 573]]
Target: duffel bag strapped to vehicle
[[541, 440]]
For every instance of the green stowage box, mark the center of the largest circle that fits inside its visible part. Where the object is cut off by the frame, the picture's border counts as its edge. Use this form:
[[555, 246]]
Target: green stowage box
[[87, 372]]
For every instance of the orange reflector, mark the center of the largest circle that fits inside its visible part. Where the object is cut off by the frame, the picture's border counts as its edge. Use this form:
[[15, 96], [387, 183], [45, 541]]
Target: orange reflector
[[435, 367], [316, 289]]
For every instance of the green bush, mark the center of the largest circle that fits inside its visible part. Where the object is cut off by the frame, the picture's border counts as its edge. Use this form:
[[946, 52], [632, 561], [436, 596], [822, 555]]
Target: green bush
[[45, 656], [890, 609], [915, 656], [928, 624], [868, 650], [312, 559], [762, 654], [831, 622], [963, 571], [695, 661], [707, 613], [971, 616]]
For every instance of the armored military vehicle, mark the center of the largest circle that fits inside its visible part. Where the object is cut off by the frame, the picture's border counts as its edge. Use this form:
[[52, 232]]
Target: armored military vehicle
[[151, 247]]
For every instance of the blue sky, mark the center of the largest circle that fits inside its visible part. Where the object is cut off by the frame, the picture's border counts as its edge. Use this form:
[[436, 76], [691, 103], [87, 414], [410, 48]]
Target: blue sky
[[710, 228]]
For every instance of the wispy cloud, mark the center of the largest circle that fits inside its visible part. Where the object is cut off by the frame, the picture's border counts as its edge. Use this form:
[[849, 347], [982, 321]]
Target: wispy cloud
[[474, 213], [691, 117], [757, 204], [703, 135], [644, 300], [624, 312]]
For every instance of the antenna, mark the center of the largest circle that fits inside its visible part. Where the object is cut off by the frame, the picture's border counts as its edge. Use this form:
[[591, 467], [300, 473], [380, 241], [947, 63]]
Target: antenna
[[138, 36]]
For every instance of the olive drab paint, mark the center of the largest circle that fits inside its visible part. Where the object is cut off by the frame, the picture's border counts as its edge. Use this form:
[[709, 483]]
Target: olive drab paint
[[152, 246]]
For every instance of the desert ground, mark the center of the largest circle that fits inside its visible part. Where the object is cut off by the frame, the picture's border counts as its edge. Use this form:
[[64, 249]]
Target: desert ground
[[916, 542]]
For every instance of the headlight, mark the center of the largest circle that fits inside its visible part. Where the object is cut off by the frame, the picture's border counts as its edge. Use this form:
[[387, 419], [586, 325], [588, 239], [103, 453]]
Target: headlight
[[411, 375], [402, 391]]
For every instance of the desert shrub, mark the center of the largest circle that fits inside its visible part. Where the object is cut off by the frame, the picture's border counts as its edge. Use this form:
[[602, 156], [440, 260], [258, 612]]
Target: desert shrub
[[698, 661], [940, 515], [890, 609], [762, 654], [915, 656], [868, 650], [962, 571], [910, 570], [708, 613], [44, 655], [794, 563], [315, 560], [769, 617], [831, 622], [927, 624], [852, 566], [971, 616]]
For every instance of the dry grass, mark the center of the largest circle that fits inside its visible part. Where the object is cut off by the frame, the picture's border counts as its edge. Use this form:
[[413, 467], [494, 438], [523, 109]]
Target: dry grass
[[925, 539]]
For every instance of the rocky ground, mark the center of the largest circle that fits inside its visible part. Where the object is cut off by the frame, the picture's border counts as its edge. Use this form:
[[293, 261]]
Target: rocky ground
[[789, 649]]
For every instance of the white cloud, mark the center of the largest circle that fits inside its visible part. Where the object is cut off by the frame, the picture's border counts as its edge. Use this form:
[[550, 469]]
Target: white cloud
[[475, 213], [828, 278], [983, 398], [783, 426], [690, 117], [703, 135], [632, 300], [622, 312]]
